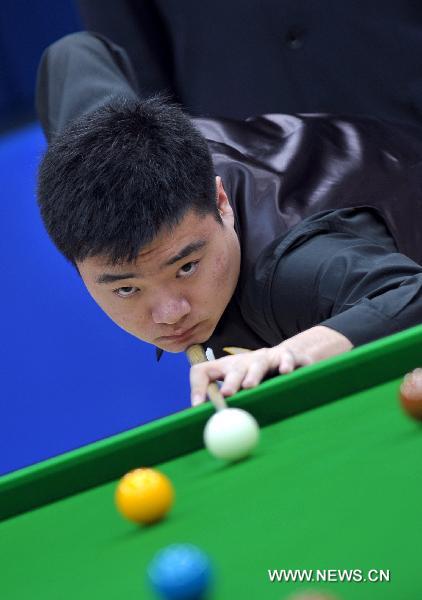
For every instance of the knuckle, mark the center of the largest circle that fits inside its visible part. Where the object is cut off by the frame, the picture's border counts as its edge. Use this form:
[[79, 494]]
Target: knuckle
[[261, 357], [196, 369], [236, 371]]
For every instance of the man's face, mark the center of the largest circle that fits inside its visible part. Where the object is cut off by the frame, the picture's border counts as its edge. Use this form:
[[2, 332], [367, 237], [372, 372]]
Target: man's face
[[182, 281]]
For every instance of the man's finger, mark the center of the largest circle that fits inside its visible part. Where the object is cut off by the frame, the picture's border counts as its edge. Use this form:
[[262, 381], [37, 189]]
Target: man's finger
[[256, 372], [199, 381], [287, 362], [233, 379], [304, 359], [200, 376]]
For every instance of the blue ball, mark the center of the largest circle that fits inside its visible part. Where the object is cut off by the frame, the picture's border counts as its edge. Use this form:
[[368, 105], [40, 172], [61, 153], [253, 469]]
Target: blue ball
[[180, 572]]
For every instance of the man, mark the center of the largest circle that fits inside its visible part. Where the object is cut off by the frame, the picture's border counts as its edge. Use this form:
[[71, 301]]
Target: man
[[301, 258]]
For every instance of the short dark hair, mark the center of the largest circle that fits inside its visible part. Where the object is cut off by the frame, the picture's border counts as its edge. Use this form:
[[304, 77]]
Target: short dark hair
[[119, 175]]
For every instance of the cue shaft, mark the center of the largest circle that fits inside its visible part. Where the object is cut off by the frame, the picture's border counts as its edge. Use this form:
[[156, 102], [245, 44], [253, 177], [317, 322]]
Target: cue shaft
[[235, 350], [196, 354]]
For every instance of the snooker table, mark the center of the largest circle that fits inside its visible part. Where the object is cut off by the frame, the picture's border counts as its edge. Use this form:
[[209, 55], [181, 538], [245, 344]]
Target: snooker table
[[336, 483]]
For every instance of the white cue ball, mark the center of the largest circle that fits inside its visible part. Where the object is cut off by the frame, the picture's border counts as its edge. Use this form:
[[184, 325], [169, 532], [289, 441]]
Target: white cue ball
[[231, 434]]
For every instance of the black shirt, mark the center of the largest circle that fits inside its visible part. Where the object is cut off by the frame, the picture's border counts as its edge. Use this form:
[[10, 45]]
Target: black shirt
[[338, 268], [348, 277]]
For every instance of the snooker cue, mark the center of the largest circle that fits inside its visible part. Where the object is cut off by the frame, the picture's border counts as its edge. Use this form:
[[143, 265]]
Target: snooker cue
[[196, 354], [235, 350]]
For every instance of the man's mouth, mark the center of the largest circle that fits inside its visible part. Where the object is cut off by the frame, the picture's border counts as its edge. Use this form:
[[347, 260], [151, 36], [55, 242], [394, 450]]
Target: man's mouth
[[179, 336]]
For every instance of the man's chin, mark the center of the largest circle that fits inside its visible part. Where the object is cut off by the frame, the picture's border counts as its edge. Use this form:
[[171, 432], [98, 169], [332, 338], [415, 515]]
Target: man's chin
[[177, 347]]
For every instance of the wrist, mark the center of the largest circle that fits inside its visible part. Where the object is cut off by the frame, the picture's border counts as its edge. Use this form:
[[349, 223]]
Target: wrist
[[330, 342], [319, 342]]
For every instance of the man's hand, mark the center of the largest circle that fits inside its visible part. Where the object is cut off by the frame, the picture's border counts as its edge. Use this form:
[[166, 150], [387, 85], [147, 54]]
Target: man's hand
[[247, 370]]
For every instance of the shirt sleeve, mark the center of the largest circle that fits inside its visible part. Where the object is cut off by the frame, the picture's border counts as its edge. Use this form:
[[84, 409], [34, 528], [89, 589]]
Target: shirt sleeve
[[352, 281]]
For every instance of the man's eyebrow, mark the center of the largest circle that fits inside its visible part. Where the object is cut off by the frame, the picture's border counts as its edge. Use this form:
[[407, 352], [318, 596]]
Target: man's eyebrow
[[110, 278], [183, 253]]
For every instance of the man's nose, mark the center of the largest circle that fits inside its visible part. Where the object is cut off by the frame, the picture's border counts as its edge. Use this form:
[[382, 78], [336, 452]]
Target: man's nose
[[170, 310]]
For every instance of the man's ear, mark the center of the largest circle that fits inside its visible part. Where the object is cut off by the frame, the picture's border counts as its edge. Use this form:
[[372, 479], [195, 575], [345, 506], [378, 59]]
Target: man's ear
[[221, 198]]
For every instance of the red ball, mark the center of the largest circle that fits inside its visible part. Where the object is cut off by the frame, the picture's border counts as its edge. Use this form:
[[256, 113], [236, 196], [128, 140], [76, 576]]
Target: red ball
[[411, 394]]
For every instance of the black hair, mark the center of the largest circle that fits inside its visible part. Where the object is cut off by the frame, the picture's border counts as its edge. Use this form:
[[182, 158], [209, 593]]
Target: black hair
[[119, 175]]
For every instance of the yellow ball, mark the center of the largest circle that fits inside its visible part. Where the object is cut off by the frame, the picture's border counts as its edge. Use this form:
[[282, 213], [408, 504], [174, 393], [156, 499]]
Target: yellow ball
[[144, 495]]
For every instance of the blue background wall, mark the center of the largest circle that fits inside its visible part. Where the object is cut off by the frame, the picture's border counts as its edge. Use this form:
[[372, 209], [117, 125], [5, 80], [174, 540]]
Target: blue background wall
[[68, 375], [26, 28]]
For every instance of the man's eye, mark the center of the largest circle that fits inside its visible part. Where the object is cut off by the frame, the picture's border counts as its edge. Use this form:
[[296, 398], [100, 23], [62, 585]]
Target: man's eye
[[189, 268], [125, 292]]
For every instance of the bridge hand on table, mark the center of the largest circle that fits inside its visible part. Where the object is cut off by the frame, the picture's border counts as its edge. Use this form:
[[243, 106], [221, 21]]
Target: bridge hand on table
[[243, 369]]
